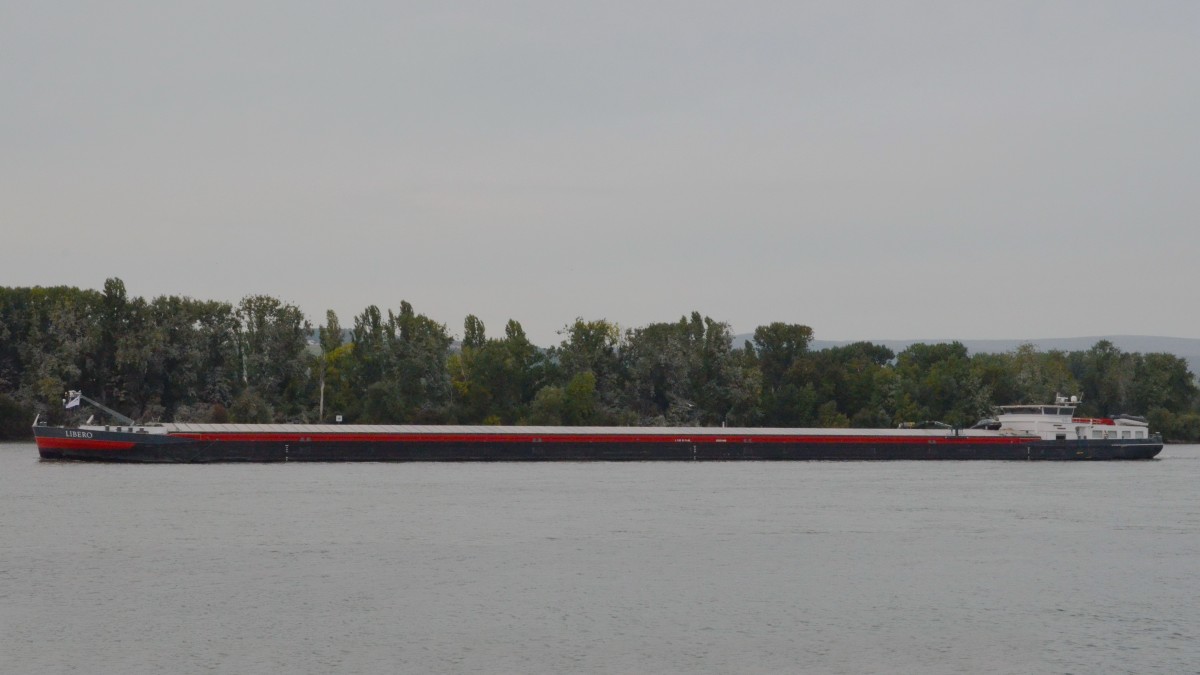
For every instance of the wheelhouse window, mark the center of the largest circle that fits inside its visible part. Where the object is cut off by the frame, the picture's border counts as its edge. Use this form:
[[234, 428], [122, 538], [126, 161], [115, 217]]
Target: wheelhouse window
[[1054, 410], [1021, 410]]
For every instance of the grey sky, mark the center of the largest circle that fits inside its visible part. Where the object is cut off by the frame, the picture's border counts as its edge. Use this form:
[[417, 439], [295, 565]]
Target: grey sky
[[873, 170]]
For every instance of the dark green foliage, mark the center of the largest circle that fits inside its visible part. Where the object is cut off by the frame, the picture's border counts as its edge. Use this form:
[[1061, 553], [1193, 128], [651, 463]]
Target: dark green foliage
[[548, 407], [789, 397], [272, 348], [177, 358], [1161, 381], [1105, 375], [591, 346], [848, 378], [473, 333], [15, 419], [251, 407], [493, 380], [330, 335], [400, 364], [940, 382], [660, 363]]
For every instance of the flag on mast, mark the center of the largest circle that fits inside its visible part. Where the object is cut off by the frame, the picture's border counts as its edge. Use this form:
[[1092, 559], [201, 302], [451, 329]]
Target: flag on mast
[[74, 402]]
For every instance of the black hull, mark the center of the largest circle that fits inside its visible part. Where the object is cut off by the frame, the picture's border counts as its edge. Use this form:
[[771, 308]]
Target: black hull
[[106, 447]]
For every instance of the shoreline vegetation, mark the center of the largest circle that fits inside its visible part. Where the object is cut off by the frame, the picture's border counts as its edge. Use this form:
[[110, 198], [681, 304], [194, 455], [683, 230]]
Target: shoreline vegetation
[[175, 358]]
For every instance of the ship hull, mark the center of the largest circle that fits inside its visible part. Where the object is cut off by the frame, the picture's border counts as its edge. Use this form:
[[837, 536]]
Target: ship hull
[[123, 446]]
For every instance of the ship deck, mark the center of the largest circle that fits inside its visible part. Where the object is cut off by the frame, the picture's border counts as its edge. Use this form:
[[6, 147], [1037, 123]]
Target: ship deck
[[483, 431]]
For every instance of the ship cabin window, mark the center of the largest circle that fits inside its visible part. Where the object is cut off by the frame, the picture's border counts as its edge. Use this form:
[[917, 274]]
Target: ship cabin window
[[1053, 410], [1139, 434], [1060, 437], [1096, 433], [1124, 434]]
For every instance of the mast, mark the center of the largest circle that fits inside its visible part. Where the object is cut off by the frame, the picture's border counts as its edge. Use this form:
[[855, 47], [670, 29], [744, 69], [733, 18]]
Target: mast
[[73, 398]]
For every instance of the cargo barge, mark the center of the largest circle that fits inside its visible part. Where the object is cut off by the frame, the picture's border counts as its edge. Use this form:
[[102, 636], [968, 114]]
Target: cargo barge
[[1032, 432]]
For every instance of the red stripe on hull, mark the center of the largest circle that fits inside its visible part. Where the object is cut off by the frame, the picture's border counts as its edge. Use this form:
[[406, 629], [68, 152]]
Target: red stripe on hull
[[45, 443], [509, 438]]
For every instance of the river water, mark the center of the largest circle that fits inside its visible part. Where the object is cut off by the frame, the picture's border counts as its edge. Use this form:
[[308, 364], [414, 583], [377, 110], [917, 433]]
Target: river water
[[855, 567]]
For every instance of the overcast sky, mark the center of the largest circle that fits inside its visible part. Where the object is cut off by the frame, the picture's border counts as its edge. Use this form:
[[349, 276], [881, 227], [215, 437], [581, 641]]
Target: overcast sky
[[870, 169]]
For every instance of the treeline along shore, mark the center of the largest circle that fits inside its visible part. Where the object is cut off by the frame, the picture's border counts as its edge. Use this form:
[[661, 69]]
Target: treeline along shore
[[179, 359]]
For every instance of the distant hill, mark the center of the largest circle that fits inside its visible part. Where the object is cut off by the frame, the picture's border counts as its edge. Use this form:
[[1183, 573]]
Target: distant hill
[[1185, 348]]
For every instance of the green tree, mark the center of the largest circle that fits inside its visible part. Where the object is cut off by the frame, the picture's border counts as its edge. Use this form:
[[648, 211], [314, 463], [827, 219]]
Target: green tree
[[939, 380], [473, 396], [1106, 375], [789, 396], [175, 357], [216, 331], [591, 347], [579, 403], [250, 407], [419, 347], [846, 376], [330, 335], [548, 407], [114, 322], [474, 333], [402, 366], [272, 344], [329, 338], [370, 356], [658, 364], [494, 380], [779, 346], [528, 363], [14, 418], [686, 373], [1162, 381]]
